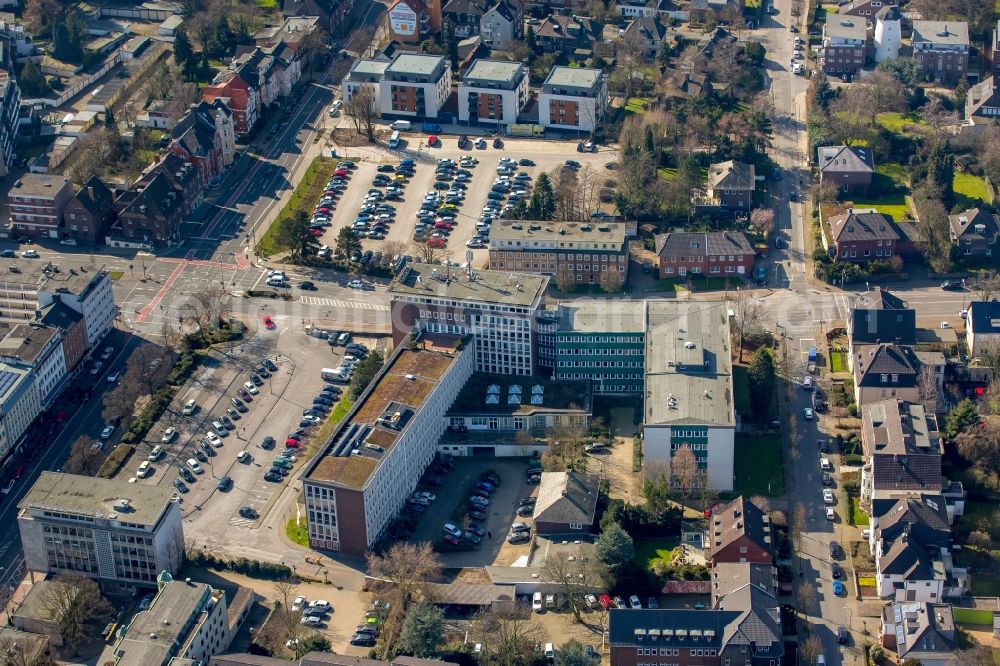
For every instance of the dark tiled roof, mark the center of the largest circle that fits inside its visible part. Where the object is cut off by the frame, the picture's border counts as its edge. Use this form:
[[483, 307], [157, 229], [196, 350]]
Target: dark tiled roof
[[880, 298], [731, 175], [759, 625], [963, 225], [247, 659], [984, 317], [869, 327], [886, 359], [924, 518], [470, 7], [922, 630], [157, 196], [739, 518], [908, 560], [632, 627], [687, 244], [647, 27], [60, 315], [913, 472], [95, 196], [845, 159], [195, 132], [853, 226]]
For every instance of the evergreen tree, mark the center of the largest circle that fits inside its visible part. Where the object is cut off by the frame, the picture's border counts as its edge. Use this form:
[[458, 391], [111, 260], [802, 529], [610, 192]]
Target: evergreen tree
[[224, 39], [451, 46], [31, 81], [109, 120], [543, 199], [941, 171], [76, 28], [651, 143], [663, 54], [422, 632], [761, 379], [60, 42], [532, 42], [961, 418], [822, 92], [184, 54]]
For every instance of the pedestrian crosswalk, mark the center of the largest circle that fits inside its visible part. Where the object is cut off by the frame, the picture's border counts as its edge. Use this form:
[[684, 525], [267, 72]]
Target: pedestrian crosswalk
[[332, 302]]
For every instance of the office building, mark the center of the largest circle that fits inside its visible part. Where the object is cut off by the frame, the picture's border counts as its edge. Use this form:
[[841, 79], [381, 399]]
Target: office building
[[502, 310], [39, 349], [573, 252], [365, 472], [493, 92], [603, 341], [573, 98], [120, 534], [85, 289]]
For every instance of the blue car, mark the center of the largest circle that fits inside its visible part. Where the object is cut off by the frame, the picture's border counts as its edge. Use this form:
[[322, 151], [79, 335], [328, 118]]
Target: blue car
[[838, 588]]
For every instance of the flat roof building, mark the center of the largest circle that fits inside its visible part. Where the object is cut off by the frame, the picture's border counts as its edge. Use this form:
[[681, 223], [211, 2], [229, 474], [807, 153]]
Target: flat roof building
[[120, 534], [573, 98], [415, 85], [365, 472], [493, 92]]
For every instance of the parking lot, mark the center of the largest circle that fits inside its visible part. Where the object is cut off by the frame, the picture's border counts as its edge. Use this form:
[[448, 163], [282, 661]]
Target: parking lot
[[529, 157], [450, 507]]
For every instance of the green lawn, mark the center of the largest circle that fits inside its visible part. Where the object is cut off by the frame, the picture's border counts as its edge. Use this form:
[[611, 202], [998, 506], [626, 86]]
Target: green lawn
[[298, 531], [667, 173], [893, 205], [894, 171], [648, 551], [897, 122], [305, 196], [983, 586], [982, 513], [636, 105], [838, 361], [858, 515], [973, 616], [970, 190], [759, 469], [267, 4]]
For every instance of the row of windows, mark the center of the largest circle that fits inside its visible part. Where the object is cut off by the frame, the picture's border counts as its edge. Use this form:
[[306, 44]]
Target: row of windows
[[844, 254], [669, 270], [600, 352], [711, 258], [589, 375], [600, 364], [673, 652], [562, 256], [694, 446]]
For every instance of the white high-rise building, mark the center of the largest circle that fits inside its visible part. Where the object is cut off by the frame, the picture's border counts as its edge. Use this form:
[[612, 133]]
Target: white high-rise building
[[887, 33]]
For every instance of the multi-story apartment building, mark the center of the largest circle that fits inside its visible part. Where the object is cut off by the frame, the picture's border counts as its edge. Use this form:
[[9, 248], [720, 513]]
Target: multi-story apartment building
[[85, 289], [983, 327], [10, 118], [367, 469], [884, 371], [330, 13], [74, 332], [902, 450], [688, 387], [573, 252], [415, 86], [120, 534], [241, 97], [36, 203], [845, 45], [502, 310], [502, 24], [740, 532], [186, 621], [493, 92], [731, 185], [206, 138], [603, 341], [20, 403], [369, 73], [88, 214], [573, 98], [879, 316], [712, 254], [38, 348], [942, 49], [18, 294]]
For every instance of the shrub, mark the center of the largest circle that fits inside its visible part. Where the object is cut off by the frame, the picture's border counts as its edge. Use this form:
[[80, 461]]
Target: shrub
[[114, 462], [240, 565], [854, 458]]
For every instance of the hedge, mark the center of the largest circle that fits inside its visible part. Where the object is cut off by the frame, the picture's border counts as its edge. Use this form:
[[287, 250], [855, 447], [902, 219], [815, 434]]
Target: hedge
[[114, 462], [240, 565]]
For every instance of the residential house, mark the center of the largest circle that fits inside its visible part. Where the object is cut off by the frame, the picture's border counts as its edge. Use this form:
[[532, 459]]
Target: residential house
[[993, 51], [731, 185], [845, 46], [241, 98], [884, 371], [739, 532], [566, 503], [493, 92], [861, 235], [470, 50], [74, 332], [118, 533], [271, 72], [88, 215], [568, 34], [409, 21], [330, 13], [464, 16], [982, 327], [905, 570], [922, 631], [710, 11], [645, 34], [293, 32], [845, 167], [205, 136], [879, 316], [415, 86], [982, 104], [152, 216], [902, 451], [685, 85], [942, 49], [36, 202], [573, 98], [10, 119], [662, 8], [183, 176], [574, 252], [502, 24], [714, 254], [974, 231], [866, 8], [729, 578], [744, 627], [924, 519], [368, 73]]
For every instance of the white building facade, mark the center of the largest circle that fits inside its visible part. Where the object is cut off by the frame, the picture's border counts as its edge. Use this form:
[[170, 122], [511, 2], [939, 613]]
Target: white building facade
[[20, 404], [95, 301], [493, 92], [574, 98]]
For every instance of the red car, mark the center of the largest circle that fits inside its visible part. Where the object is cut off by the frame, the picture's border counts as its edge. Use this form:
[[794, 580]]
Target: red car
[[292, 443], [605, 601], [340, 173], [442, 225], [321, 209], [316, 232], [432, 140], [268, 321], [437, 243]]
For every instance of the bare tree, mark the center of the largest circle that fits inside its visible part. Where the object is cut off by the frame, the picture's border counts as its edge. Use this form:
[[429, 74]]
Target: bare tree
[[746, 316], [798, 526], [566, 439], [284, 589], [119, 405], [427, 253], [363, 110], [984, 287], [508, 635], [575, 577], [761, 502], [611, 280], [811, 648], [75, 604], [927, 388], [684, 472], [85, 457], [565, 281], [149, 365], [23, 652], [406, 567]]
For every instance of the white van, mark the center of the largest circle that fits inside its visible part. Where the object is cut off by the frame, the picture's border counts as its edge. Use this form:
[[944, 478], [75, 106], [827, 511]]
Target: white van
[[394, 140], [550, 652], [155, 454], [404, 125]]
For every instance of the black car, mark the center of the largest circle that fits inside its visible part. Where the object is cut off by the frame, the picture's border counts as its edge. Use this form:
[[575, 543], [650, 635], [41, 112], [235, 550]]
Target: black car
[[307, 286], [363, 640], [526, 501], [475, 514], [322, 400], [238, 404], [952, 285], [248, 512], [827, 479], [269, 364], [272, 477], [842, 635], [263, 372], [526, 510], [257, 381], [834, 549], [524, 161], [268, 443], [835, 570]]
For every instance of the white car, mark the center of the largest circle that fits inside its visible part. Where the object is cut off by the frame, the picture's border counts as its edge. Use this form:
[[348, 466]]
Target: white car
[[96, 368], [29, 254], [824, 464], [221, 429], [168, 435], [807, 413], [106, 354], [251, 389], [320, 604], [107, 432], [213, 439], [113, 377], [244, 456], [536, 602], [807, 383], [830, 515], [195, 467], [145, 469], [827, 496], [189, 407], [299, 603], [797, 68], [71, 242], [355, 284]]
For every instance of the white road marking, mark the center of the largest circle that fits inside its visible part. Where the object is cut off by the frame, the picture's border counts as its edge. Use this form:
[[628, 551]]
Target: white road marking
[[331, 302]]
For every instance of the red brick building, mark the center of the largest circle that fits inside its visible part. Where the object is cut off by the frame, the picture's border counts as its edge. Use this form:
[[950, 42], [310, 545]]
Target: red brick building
[[865, 235], [36, 203], [242, 99], [717, 253], [942, 49], [89, 213], [740, 532]]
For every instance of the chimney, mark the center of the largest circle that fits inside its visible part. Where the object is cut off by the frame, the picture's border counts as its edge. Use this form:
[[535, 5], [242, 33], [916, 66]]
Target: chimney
[[90, 192]]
